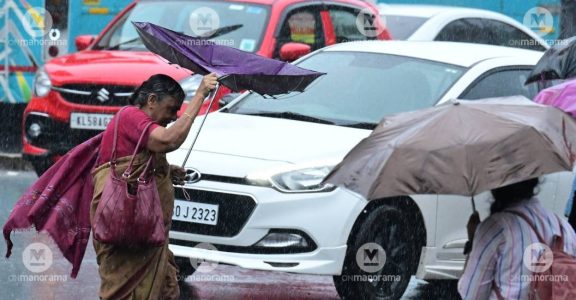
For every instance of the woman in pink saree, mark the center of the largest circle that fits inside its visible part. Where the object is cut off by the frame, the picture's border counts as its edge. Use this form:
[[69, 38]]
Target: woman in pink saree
[[145, 273]]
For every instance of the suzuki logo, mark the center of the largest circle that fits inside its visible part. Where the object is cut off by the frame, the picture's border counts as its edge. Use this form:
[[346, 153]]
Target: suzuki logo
[[193, 175], [103, 95]]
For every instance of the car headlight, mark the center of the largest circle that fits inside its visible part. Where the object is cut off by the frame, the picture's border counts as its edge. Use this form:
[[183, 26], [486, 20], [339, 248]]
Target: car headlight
[[42, 83], [190, 85], [302, 180]]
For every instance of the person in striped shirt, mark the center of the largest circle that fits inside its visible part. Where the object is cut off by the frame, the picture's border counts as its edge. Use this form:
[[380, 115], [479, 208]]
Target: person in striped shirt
[[495, 267]]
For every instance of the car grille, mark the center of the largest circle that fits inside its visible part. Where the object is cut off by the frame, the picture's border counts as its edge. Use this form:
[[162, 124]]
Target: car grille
[[233, 212], [92, 94]]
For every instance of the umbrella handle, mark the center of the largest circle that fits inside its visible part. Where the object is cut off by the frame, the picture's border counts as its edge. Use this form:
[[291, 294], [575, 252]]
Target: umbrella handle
[[473, 204], [212, 97]]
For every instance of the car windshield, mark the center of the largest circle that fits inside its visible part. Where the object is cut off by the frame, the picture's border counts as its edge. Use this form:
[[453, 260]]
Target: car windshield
[[358, 90], [194, 18], [402, 27]]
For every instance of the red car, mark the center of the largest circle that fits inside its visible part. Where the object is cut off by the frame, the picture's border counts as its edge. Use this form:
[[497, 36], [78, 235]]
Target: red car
[[76, 95]]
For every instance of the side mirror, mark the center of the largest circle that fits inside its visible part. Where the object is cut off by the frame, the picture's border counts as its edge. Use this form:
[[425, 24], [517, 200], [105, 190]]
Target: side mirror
[[293, 51], [83, 41]]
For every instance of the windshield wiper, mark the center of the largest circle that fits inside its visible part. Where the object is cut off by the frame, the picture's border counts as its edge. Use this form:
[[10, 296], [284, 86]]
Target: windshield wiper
[[117, 46], [292, 116], [220, 31], [361, 125]]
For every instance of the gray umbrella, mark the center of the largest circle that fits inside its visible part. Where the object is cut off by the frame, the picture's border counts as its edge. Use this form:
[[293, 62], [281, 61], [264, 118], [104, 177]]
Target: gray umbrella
[[459, 148]]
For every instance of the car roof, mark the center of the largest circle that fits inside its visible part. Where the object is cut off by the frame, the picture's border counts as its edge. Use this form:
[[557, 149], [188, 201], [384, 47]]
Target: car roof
[[461, 54], [428, 11], [270, 2]]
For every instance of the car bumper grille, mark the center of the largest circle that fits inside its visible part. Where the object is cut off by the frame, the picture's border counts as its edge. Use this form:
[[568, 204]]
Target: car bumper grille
[[56, 136], [233, 212]]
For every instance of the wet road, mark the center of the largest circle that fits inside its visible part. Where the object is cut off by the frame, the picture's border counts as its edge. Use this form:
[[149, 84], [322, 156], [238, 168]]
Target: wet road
[[225, 282]]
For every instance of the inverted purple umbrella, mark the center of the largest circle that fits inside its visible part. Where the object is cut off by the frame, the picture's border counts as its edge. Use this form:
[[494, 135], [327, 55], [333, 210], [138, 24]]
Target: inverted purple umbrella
[[236, 69]]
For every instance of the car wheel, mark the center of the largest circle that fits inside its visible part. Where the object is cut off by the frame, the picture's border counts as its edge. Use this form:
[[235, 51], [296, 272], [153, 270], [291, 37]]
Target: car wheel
[[185, 268], [41, 165], [387, 227]]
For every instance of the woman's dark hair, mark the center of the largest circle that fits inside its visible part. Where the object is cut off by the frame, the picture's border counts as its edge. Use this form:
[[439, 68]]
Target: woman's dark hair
[[159, 84], [509, 195]]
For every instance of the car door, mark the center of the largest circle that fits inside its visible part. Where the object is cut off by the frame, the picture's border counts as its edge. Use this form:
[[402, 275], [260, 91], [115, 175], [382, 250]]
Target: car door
[[487, 31], [301, 24]]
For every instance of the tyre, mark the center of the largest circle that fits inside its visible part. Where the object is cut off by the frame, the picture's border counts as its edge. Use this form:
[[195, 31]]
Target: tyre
[[185, 268], [389, 228], [41, 165]]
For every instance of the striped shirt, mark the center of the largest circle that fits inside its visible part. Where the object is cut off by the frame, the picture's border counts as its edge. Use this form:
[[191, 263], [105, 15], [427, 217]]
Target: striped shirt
[[498, 249]]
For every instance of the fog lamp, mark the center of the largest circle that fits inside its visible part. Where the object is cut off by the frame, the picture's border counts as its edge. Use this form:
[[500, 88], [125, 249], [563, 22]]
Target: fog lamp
[[34, 130], [282, 240]]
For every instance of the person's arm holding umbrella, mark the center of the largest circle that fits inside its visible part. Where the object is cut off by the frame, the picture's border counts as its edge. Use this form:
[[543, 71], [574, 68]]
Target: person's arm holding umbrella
[[164, 139], [167, 139]]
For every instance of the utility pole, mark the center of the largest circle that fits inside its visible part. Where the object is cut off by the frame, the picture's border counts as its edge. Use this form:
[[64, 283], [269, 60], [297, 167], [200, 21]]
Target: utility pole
[[567, 19]]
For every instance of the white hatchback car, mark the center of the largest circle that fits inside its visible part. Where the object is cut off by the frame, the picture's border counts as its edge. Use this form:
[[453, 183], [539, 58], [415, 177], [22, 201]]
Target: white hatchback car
[[457, 24], [260, 201]]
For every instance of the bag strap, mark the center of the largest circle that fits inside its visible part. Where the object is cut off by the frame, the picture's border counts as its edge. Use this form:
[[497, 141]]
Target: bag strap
[[128, 170], [113, 158], [525, 218], [497, 291], [557, 241]]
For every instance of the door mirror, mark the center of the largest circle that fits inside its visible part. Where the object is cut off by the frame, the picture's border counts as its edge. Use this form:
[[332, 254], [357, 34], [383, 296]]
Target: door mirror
[[83, 41], [293, 51]]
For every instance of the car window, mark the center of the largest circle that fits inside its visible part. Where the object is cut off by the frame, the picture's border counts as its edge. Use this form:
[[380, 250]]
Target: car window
[[345, 27], [490, 32], [402, 27], [178, 16], [491, 85], [302, 25], [360, 88]]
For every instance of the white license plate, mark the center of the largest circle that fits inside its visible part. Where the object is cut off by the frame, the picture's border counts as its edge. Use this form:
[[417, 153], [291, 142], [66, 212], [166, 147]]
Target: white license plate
[[195, 212], [89, 121]]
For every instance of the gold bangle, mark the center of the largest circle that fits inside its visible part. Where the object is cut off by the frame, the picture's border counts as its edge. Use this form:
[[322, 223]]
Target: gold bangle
[[188, 115]]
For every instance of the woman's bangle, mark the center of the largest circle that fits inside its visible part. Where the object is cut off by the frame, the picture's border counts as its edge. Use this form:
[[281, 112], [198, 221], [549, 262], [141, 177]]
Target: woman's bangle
[[188, 115]]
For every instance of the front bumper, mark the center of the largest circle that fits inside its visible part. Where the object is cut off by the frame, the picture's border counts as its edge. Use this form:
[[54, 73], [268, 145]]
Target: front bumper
[[326, 218], [323, 261], [52, 114]]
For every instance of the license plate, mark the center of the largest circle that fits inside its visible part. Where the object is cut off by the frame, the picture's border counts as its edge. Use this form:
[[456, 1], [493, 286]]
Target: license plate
[[195, 212], [89, 121]]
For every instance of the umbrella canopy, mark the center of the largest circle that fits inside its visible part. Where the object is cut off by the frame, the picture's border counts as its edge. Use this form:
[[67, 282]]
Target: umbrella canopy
[[558, 62], [459, 148], [562, 96], [237, 69]]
